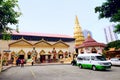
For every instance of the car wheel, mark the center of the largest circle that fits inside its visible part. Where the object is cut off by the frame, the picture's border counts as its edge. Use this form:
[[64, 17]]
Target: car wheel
[[93, 68], [80, 66]]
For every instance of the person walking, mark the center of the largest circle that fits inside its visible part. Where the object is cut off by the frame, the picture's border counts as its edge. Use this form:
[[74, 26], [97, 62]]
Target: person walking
[[22, 62], [17, 62], [32, 62]]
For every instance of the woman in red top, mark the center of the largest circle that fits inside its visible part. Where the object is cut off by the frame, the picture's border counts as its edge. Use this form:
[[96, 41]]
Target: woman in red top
[[22, 62]]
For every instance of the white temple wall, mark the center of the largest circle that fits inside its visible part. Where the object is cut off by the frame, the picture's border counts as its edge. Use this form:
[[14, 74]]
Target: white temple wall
[[89, 49]]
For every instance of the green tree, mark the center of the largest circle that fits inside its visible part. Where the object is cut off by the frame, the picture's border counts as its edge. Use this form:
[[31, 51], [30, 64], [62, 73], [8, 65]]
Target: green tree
[[8, 15], [114, 44], [110, 9]]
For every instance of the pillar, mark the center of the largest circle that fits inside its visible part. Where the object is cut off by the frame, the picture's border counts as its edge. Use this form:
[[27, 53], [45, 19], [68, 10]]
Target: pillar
[[9, 57], [38, 56], [46, 58], [51, 56], [26, 56]]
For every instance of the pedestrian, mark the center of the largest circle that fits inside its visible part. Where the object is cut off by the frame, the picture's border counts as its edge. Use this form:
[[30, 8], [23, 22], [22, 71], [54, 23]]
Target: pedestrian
[[22, 62], [17, 62], [32, 62]]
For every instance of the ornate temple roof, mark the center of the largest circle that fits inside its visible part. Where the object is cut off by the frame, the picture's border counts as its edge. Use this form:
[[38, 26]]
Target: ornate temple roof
[[41, 34], [78, 35], [90, 42]]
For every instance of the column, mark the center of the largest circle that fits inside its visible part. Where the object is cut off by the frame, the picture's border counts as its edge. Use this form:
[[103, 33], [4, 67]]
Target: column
[[38, 56], [26, 56], [46, 58], [9, 57]]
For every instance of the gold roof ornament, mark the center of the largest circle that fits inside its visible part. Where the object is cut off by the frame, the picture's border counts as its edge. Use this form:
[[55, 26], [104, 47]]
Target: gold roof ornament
[[88, 35], [111, 49], [42, 39], [78, 35], [76, 20]]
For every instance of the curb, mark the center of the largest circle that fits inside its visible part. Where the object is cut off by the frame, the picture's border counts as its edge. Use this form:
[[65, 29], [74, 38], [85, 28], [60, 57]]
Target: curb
[[46, 64], [6, 67]]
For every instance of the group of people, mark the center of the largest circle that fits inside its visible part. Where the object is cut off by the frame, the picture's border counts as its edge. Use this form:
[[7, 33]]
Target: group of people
[[20, 62]]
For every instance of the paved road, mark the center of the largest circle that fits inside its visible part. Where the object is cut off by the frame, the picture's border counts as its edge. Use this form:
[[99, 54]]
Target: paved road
[[58, 72]]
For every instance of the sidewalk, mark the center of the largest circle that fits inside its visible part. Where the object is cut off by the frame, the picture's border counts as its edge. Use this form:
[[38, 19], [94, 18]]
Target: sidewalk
[[6, 67]]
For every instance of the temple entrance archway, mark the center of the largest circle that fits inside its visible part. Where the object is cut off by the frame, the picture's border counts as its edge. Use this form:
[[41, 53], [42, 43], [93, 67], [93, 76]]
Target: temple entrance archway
[[21, 54], [42, 56], [94, 50], [60, 54], [29, 55]]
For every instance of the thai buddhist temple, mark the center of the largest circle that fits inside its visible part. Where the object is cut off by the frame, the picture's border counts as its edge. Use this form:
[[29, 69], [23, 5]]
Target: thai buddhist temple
[[90, 46], [40, 47]]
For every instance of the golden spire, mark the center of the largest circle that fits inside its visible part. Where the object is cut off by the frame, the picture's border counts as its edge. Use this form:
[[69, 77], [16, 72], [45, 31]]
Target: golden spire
[[76, 21], [78, 35]]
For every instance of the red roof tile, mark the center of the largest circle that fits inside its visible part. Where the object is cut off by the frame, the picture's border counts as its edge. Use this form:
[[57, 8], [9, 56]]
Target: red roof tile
[[90, 42], [41, 34]]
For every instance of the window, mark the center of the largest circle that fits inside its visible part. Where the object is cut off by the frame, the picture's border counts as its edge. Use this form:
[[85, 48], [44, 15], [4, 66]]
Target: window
[[92, 58], [80, 58], [100, 58], [86, 58]]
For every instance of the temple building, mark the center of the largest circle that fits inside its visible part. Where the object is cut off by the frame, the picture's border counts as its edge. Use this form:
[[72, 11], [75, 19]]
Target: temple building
[[38, 46], [90, 46], [46, 48]]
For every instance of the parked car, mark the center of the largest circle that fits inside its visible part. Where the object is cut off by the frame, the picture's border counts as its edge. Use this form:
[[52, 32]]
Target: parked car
[[93, 61], [115, 61]]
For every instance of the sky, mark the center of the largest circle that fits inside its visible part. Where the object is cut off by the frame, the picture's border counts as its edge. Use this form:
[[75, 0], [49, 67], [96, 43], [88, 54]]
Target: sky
[[58, 17]]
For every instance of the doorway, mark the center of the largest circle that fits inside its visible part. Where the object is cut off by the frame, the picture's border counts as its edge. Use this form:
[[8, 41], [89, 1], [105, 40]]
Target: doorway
[[42, 58], [29, 56], [21, 56]]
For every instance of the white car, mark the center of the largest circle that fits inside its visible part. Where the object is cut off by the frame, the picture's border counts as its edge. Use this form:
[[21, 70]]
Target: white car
[[115, 61]]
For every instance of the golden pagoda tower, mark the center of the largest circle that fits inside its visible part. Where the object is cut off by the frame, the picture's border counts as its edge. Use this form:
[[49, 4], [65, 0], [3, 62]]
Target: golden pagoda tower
[[78, 35]]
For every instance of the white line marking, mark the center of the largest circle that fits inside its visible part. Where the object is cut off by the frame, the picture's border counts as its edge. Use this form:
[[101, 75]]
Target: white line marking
[[33, 73]]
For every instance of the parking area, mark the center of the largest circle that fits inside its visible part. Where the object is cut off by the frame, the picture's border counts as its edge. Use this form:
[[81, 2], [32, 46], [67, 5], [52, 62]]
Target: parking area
[[58, 72]]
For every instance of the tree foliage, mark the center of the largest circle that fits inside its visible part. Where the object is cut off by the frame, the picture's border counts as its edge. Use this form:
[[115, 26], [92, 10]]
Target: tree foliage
[[8, 14], [110, 9], [114, 44]]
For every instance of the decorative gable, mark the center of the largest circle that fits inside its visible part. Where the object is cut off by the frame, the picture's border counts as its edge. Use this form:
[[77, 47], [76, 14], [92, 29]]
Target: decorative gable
[[42, 43], [60, 44], [21, 43]]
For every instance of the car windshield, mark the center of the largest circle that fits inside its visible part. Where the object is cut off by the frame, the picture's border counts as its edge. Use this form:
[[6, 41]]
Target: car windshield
[[100, 58]]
